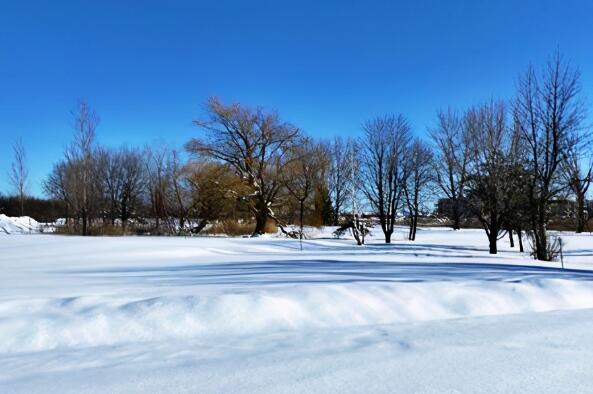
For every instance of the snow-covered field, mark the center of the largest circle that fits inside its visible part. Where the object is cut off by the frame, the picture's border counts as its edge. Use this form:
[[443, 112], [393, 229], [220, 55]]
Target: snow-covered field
[[199, 315]]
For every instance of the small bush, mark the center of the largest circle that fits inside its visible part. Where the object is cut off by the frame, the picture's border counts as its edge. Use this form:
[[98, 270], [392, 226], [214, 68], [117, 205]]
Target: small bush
[[553, 247]]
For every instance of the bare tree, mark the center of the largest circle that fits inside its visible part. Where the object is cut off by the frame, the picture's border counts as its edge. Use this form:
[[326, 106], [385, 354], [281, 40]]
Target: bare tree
[[253, 143], [355, 179], [451, 160], [492, 144], [81, 152], [385, 145], [419, 174], [109, 172], [157, 183], [73, 179], [180, 193], [132, 187], [60, 185], [578, 173], [19, 173], [547, 111], [340, 187], [301, 173], [120, 178]]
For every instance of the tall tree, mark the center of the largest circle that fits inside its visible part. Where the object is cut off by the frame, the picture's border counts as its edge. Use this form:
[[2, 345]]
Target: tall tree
[[419, 174], [385, 145], [340, 187], [120, 177], [180, 192], [492, 145], [130, 199], [578, 173], [451, 160], [73, 179], [157, 183], [301, 173], [547, 110], [19, 173], [254, 144]]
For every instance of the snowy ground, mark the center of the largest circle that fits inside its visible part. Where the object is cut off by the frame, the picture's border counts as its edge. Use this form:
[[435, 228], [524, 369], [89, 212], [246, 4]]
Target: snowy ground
[[149, 314]]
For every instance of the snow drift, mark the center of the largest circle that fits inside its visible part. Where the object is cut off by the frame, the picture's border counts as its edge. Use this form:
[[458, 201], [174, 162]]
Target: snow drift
[[18, 225], [34, 325], [110, 291]]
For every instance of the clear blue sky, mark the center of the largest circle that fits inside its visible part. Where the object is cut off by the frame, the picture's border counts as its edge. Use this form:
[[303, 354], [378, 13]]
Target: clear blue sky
[[147, 67]]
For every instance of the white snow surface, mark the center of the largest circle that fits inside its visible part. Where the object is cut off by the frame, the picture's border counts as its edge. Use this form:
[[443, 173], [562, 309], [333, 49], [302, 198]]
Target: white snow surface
[[18, 225], [167, 314]]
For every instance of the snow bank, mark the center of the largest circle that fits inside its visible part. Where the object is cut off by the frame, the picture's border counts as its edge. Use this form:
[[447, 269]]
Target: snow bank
[[18, 225], [61, 292], [34, 325]]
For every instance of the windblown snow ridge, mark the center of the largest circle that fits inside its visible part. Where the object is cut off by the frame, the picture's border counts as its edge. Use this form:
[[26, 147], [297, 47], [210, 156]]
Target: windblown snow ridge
[[41, 324]]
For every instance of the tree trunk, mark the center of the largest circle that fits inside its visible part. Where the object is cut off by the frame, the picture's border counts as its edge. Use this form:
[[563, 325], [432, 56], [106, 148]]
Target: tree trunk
[[493, 233], [580, 214], [456, 216], [492, 240], [388, 236], [520, 237], [261, 219], [301, 215], [541, 250], [511, 240], [84, 224]]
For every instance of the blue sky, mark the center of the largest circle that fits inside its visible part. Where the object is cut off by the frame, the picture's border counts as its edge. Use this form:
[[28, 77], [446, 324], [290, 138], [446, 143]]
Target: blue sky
[[147, 67]]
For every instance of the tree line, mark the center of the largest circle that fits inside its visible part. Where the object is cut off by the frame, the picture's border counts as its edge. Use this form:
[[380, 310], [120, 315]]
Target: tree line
[[505, 161]]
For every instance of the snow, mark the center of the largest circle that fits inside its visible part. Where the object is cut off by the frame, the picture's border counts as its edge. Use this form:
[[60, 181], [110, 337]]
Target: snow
[[171, 314], [18, 225]]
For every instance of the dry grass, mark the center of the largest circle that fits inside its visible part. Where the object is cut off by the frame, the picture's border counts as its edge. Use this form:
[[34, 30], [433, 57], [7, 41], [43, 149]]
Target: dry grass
[[229, 227]]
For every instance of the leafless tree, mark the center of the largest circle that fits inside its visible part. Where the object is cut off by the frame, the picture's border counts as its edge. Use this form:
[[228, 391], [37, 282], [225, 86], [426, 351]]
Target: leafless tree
[[180, 193], [157, 182], [548, 111], [419, 174], [340, 187], [355, 179], [81, 152], [492, 144], [61, 185], [301, 173], [578, 173], [120, 177], [451, 159], [74, 179], [253, 143], [19, 173], [385, 145], [132, 185], [110, 181]]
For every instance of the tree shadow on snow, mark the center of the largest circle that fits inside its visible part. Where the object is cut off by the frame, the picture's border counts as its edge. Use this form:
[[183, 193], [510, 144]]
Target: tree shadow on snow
[[326, 271]]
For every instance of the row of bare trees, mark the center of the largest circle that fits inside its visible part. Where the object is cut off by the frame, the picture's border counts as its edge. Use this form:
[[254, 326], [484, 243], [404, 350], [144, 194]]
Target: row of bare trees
[[511, 162], [506, 162], [386, 170], [116, 186]]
